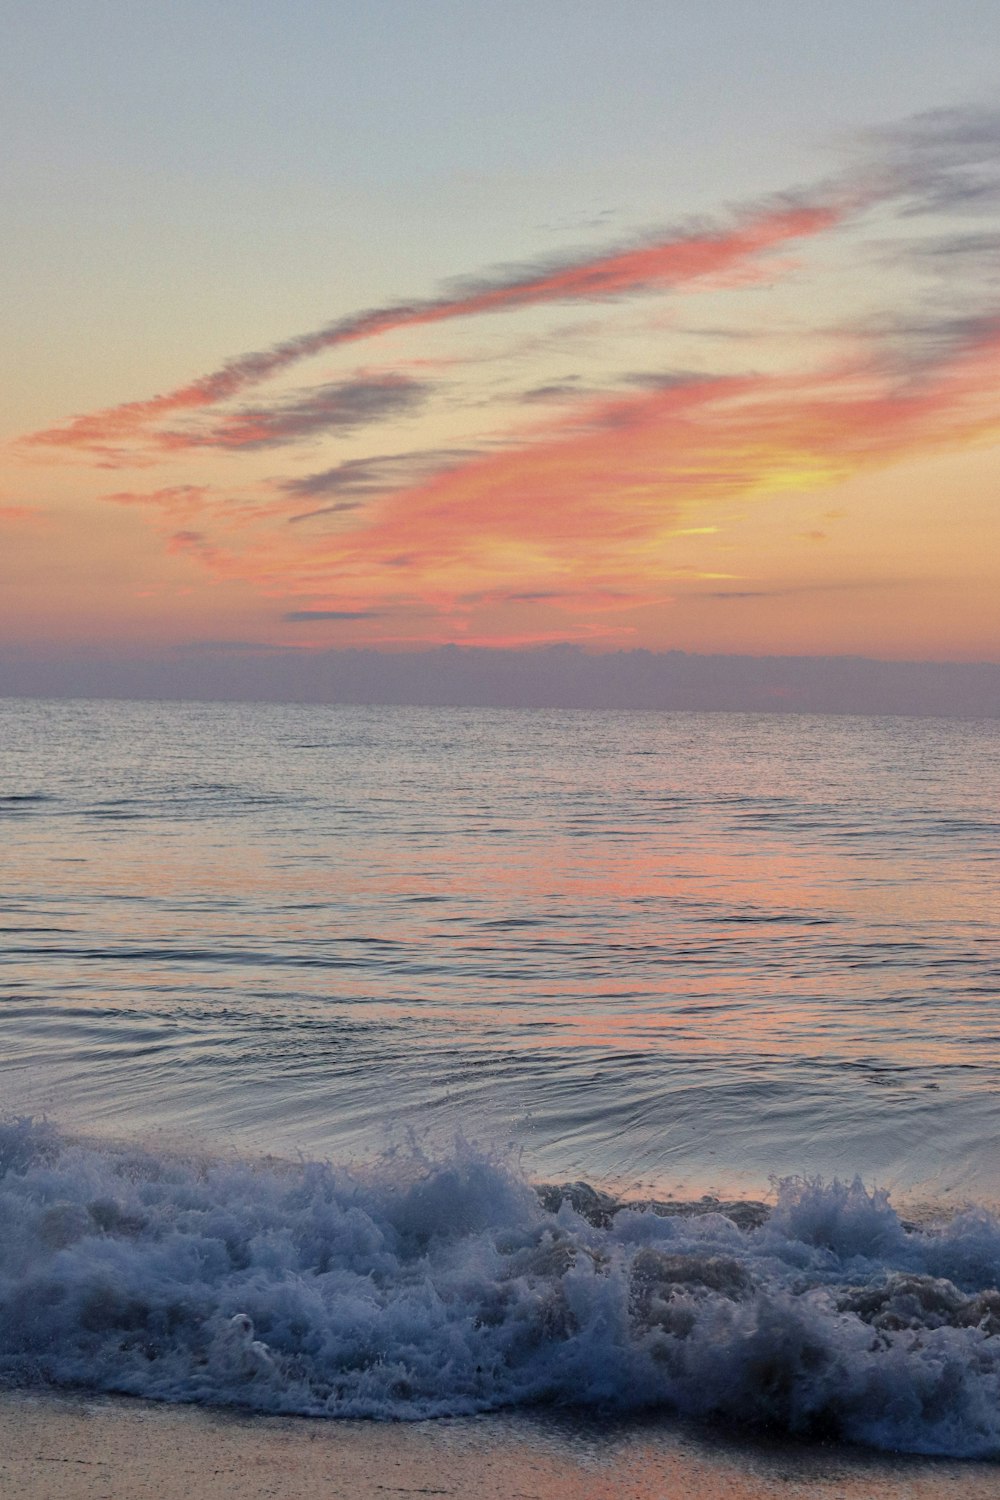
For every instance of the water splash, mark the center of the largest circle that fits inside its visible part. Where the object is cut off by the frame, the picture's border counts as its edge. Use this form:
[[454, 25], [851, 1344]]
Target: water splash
[[426, 1286]]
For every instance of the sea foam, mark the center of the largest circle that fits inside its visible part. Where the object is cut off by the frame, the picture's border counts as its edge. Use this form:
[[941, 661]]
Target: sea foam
[[427, 1286]]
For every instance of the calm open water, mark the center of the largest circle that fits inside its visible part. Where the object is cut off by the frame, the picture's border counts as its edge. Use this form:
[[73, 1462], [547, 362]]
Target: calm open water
[[670, 954], [651, 949]]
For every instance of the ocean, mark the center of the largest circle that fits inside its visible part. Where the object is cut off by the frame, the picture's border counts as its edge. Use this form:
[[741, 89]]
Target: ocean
[[393, 1063]]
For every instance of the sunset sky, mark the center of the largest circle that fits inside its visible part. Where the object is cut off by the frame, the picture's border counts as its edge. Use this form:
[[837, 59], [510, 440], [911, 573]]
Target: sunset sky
[[658, 324]]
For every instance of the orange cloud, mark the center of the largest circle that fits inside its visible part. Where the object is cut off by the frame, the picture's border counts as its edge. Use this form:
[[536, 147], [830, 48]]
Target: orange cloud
[[666, 263], [590, 511]]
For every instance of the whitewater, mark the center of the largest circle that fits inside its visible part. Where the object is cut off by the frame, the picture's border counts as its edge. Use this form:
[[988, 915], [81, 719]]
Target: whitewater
[[440, 1288]]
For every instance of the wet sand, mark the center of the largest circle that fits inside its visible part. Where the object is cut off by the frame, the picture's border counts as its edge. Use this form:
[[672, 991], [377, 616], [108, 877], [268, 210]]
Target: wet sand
[[77, 1448]]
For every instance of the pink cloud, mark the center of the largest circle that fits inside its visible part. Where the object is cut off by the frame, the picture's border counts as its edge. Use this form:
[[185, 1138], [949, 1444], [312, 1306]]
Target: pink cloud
[[674, 261]]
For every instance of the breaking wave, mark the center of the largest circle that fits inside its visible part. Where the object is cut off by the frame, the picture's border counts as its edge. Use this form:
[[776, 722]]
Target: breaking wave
[[441, 1286]]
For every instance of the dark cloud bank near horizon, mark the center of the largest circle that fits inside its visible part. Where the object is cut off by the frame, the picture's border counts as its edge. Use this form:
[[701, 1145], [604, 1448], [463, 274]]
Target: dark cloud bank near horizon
[[558, 677]]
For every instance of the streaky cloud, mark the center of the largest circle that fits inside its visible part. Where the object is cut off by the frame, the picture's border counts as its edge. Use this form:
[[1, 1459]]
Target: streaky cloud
[[927, 342], [590, 506], [377, 474], [653, 263], [792, 591], [980, 247], [336, 406], [339, 508], [606, 488], [942, 160]]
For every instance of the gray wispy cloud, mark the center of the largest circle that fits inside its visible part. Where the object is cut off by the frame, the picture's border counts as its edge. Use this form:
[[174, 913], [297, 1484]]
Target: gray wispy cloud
[[793, 591], [942, 160], [556, 390], [376, 474], [343, 405], [932, 338]]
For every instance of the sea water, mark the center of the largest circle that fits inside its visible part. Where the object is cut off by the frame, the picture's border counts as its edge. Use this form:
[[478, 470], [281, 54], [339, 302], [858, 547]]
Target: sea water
[[402, 1062]]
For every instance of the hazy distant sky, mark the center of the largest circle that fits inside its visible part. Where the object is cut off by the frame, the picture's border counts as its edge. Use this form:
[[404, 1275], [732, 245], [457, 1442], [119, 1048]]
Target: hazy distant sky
[[670, 324]]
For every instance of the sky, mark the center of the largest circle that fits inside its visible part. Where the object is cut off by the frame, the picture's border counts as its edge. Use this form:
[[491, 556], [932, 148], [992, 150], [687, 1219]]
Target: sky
[[667, 325]]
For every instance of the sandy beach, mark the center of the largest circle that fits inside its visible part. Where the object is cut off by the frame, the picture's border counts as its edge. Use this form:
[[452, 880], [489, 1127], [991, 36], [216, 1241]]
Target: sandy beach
[[82, 1448]]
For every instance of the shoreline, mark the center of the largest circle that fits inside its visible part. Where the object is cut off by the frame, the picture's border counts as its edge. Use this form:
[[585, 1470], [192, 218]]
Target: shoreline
[[57, 1446]]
